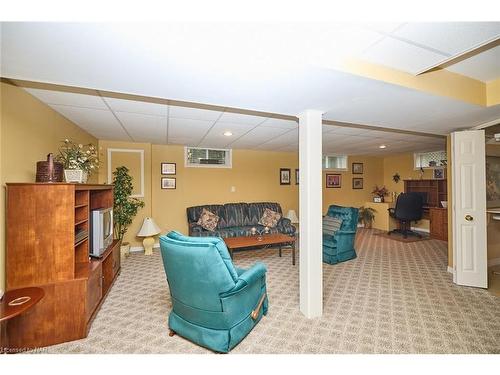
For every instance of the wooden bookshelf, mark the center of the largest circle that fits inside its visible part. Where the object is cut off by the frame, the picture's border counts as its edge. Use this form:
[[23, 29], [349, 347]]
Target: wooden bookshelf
[[51, 257]]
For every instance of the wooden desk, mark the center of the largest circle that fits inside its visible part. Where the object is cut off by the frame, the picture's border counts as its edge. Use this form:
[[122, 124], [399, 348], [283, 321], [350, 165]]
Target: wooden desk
[[438, 218]]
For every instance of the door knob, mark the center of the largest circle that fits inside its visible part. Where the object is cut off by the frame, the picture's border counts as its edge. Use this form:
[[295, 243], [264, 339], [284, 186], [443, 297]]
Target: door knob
[[469, 218]]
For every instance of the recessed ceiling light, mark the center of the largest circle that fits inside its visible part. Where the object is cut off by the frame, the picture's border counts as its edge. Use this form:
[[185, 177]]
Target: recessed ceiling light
[[382, 146], [228, 133]]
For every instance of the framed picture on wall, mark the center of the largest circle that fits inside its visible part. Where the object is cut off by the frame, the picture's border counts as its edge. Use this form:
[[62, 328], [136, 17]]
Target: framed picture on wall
[[168, 183], [168, 168], [357, 168], [357, 183], [333, 180], [284, 176], [296, 177], [438, 173]]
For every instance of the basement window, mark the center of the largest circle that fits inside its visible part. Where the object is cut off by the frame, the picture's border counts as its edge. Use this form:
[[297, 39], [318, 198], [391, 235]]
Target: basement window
[[431, 159], [207, 157], [336, 162]]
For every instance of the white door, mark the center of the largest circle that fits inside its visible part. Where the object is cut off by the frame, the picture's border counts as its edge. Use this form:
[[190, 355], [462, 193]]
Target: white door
[[469, 208]]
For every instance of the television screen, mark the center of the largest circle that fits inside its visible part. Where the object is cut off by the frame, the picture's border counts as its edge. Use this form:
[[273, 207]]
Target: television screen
[[107, 223]]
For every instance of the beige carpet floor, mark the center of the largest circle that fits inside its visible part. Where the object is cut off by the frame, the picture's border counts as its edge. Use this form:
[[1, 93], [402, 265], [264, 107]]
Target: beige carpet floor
[[394, 298]]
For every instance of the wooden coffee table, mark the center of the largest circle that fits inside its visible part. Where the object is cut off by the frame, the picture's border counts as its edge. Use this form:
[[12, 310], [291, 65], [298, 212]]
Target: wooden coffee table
[[280, 240]]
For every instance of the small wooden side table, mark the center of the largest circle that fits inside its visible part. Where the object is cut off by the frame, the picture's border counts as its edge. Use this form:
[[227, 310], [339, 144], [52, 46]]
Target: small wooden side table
[[14, 303]]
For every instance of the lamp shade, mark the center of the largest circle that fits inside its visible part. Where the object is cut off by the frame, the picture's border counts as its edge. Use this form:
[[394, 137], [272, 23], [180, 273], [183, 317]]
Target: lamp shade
[[149, 228], [292, 215]]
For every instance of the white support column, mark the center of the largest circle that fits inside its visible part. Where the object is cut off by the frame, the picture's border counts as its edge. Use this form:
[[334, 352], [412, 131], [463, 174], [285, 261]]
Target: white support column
[[310, 212]]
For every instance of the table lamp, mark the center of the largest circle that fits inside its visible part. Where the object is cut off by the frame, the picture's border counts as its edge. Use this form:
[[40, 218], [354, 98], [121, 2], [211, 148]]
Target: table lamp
[[292, 215], [148, 230]]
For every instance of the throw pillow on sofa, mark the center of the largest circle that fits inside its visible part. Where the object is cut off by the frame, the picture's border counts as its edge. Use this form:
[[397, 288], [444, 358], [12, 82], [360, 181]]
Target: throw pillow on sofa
[[270, 218], [208, 220], [331, 225]]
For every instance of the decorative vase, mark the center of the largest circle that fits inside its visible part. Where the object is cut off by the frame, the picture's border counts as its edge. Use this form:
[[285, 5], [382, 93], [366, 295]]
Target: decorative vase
[[75, 175]]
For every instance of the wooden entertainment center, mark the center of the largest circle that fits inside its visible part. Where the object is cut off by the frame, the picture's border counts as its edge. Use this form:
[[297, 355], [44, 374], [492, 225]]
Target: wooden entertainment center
[[42, 221]]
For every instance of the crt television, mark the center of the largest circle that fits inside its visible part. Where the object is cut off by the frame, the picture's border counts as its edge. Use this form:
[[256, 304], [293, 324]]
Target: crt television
[[101, 235]]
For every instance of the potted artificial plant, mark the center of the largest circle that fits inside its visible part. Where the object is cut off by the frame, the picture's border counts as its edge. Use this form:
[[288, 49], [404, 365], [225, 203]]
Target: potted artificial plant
[[79, 161], [379, 193], [124, 207], [366, 216]]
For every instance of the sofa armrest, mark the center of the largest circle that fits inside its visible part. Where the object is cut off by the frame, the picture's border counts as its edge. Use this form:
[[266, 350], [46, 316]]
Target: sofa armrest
[[285, 226]]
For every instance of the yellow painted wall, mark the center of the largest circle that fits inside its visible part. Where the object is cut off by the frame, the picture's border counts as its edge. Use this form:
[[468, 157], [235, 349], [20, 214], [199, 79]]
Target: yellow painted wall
[[130, 161], [493, 92], [254, 174], [29, 131], [493, 228], [373, 173]]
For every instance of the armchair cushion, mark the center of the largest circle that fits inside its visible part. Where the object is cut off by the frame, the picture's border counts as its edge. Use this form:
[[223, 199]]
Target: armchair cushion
[[331, 225]]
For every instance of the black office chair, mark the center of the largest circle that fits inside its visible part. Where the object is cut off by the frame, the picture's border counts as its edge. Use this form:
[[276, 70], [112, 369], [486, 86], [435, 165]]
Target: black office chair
[[409, 207]]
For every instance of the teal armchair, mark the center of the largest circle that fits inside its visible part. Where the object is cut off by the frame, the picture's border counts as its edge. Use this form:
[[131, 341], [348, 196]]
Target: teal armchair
[[340, 246], [214, 304]]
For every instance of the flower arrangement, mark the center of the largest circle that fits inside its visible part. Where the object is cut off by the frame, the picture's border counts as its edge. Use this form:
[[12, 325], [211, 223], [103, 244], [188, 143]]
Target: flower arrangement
[[380, 191], [79, 156]]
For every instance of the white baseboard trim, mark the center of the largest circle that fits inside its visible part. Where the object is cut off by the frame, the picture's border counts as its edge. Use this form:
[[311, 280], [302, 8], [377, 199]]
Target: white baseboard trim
[[493, 262], [140, 249]]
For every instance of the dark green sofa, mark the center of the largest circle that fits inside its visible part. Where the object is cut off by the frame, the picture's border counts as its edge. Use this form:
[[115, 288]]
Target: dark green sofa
[[236, 219]]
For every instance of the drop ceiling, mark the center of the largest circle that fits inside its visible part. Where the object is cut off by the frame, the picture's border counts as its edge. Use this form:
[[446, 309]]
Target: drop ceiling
[[280, 69], [137, 121]]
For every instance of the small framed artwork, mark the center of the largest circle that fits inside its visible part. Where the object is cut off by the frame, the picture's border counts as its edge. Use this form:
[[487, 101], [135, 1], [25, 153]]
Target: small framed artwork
[[357, 183], [333, 180], [296, 177], [168, 183], [438, 173], [168, 168], [284, 176], [357, 168]]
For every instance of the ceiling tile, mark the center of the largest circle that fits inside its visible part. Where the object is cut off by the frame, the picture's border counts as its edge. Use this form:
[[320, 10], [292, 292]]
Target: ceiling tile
[[144, 128], [217, 131], [262, 134], [100, 123], [185, 128], [451, 38], [484, 66], [193, 113], [134, 106], [68, 98], [402, 56]]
